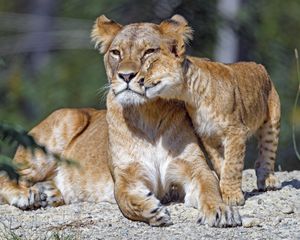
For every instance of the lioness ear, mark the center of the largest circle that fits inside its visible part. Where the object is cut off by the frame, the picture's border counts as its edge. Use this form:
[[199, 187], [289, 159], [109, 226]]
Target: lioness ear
[[177, 33], [103, 32]]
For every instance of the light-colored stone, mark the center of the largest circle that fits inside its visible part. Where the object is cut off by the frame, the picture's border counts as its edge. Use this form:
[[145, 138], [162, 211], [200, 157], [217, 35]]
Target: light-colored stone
[[286, 209], [251, 222]]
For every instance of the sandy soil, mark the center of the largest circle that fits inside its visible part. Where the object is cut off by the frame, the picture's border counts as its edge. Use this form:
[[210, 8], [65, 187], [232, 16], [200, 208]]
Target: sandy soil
[[267, 215]]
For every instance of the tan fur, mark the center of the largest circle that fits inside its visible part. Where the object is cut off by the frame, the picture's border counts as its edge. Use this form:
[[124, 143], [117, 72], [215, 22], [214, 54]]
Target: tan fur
[[148, 149], [154, 153], [76, 134], [228, 103]]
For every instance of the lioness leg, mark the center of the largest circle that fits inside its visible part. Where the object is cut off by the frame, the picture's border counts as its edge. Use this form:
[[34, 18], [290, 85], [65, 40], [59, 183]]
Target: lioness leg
[[136, 200], [231, 173]]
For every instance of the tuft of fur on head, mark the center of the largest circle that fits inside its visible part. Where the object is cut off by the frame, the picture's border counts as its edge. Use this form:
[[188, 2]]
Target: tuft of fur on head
[[103, 32], [177, 25], [177, 34]]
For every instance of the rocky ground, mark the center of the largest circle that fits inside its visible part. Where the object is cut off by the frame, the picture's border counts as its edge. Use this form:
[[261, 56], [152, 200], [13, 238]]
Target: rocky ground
[[268, 215]]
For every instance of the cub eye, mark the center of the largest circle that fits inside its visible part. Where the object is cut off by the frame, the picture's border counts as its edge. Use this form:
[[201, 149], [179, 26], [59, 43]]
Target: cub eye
[[115, 52], [149, 51]]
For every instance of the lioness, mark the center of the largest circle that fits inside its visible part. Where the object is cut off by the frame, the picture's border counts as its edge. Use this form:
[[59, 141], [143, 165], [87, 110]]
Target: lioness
[[153, 150], [150, 156], [227, 103]]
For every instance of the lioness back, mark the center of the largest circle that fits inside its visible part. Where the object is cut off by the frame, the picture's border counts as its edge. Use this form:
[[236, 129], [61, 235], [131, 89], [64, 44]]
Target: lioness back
[[76, 134]]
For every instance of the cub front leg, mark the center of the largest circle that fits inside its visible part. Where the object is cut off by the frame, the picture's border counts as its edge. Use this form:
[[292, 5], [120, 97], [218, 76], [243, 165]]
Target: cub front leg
[[135, 199], [214, 154], [232, 168]]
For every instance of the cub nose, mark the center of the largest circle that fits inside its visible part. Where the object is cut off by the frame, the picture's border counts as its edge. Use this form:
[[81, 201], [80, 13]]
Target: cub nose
[[127, 77]]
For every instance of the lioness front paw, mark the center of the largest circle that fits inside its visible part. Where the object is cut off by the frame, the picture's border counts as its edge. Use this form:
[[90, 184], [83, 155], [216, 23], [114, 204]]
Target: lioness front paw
[[220, 215], [161, 217], [54, 197], [29, 199]]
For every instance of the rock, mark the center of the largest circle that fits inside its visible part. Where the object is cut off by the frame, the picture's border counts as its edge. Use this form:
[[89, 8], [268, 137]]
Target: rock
[[287, 209], [277, 221], [15, 225], [250, 222]]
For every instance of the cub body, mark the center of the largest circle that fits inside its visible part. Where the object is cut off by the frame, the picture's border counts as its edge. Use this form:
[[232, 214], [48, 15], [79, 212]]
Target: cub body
[[227, 103]]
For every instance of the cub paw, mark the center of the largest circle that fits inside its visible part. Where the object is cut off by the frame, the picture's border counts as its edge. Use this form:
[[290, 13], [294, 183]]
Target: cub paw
[[160, 217], [53, 195], [235, 198], [220, 215], [29, 199], [271, 182]]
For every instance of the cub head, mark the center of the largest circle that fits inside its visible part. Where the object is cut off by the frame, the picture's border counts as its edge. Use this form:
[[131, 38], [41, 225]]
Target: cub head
[[164, 78], [131, 50]]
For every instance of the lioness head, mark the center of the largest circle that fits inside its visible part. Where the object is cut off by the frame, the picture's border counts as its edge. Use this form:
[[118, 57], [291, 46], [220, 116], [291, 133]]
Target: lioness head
[[129, 51]]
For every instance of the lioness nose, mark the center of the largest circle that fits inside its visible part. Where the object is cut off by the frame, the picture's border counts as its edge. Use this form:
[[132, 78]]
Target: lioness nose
[[127, 77]]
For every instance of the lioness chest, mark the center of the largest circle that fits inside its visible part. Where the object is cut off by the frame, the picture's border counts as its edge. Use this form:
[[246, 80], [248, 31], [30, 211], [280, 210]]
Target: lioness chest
[[155, 161]]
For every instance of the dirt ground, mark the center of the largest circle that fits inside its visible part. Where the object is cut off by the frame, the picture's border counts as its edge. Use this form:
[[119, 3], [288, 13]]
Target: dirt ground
[[267, 215]]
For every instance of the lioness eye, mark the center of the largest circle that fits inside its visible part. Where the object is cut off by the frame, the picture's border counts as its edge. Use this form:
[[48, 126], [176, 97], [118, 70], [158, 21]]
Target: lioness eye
[[149, 51], [115, 52]]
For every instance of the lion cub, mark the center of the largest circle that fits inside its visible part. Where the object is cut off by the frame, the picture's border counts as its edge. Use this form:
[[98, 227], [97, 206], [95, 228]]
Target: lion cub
[[227, 103]]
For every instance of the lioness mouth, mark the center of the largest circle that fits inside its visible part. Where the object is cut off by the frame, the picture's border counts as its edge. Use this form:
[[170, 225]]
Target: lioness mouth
[[129, 90]]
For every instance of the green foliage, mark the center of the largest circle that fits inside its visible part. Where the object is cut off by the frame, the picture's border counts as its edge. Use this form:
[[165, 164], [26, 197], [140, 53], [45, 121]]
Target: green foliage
[[71, 74], [7, 166], [295, 105], [19, 136], [6, 234], [13, 135]]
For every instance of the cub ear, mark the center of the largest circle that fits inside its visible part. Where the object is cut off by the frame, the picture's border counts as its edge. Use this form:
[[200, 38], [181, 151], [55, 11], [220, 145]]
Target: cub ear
[[103, 32], [177, 32]]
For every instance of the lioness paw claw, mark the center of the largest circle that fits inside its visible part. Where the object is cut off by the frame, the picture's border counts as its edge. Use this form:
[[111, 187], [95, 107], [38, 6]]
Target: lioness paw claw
[[220, 216], [53, 195], [161, 217], [29, 200]]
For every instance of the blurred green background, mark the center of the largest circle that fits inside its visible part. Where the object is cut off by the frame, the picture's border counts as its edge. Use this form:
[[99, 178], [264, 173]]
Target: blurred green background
[[47, 61]]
